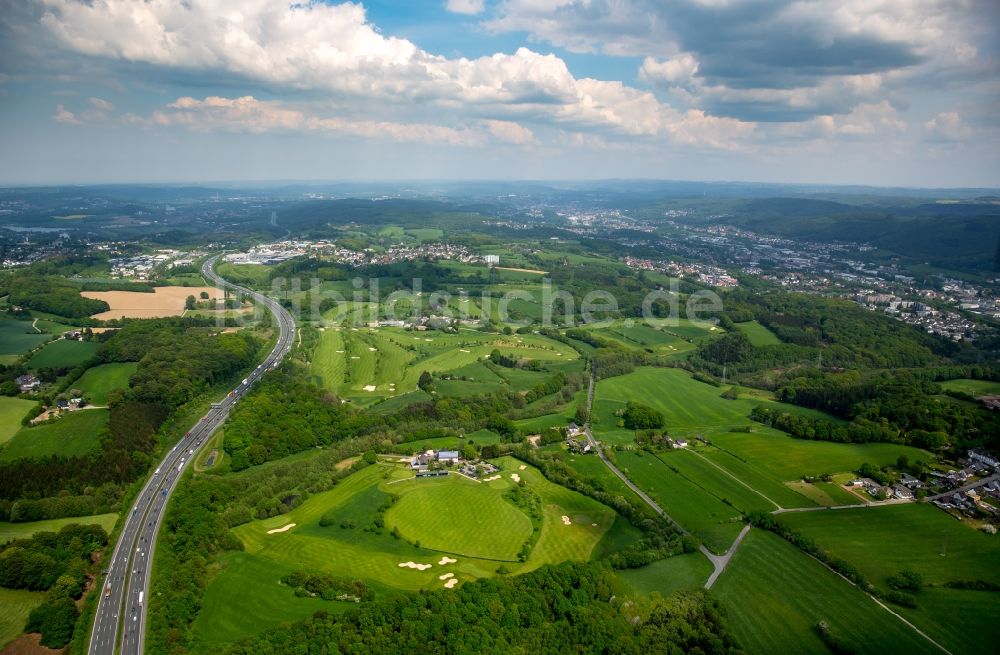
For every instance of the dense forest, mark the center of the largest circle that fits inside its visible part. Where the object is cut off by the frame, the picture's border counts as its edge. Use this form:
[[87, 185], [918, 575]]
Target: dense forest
[[556, 609]]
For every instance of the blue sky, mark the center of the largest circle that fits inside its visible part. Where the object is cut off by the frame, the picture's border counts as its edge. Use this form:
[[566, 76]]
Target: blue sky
[[895, 92]]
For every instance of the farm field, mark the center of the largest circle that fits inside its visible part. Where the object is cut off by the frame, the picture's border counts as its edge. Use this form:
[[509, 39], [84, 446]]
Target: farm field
[[758, 334], [12, 410], [786, 458], [63, 353], [346, 548], [164, 301], [644, 335], [761, 480], [689, 407], [16, 338], [15, 606], [881, 541], [73, 434], [774, 596], [719, 483], [9, 531], [697, 510], [974, 388], [98, 381]]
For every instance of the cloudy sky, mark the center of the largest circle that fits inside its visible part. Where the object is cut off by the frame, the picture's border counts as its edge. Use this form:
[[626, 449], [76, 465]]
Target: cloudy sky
[[882, 92]]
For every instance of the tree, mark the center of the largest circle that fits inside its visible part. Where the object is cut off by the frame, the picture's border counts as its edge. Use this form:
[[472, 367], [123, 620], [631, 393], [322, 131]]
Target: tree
[[425, 382], [469, 453], [642, 417], [204, 295], [190, 302]]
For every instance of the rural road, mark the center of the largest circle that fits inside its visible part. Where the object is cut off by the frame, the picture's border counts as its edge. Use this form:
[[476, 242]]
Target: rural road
[[718, 561], [120, 618]]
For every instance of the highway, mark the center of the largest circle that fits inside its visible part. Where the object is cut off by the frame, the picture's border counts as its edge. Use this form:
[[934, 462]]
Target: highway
[[120, 618]]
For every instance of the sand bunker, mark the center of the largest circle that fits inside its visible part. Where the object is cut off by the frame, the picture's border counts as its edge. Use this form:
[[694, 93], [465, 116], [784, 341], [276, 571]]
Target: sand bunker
[[515, 477], [462, 350], [284, 528], [593, 525], [522, 467], [372, 349], [491, 478], [451, 583], [369, 387], [446, 576], [446, 560], [164, 301], [566, 521], [355, 357], [414, 565]]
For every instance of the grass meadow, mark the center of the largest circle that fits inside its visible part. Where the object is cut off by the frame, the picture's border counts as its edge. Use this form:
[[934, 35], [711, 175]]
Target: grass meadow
[[75, 433], [9, 531], [775, 595], [12, 410], [758, 334], [98, 381], [63, 353]]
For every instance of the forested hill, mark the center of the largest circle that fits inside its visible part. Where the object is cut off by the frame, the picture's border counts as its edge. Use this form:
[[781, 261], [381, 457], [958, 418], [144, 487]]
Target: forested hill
[[556, 609]]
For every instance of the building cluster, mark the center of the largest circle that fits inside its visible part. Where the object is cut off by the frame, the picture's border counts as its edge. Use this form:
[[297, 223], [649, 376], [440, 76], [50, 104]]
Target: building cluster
[[432, 463], [949, 324], [704, 273], [141, 267]]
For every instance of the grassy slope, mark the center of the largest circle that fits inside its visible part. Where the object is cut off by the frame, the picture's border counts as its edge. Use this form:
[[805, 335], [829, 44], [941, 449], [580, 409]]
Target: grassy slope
[[973, 387], [63, 353], [774, 596], [73, 434], [17, 337], [9, 531], [758, 334], [98, 381], [694, 508], [12, 410], [884, 540], [15, 606], [678, 573]]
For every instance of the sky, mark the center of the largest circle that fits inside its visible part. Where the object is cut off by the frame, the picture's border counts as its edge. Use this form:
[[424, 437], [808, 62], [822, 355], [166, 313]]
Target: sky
[[875, 92]]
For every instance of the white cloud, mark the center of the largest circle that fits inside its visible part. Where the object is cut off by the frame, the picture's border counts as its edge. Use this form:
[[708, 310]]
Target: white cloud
[[678, 71], [947, 126], [333, 49], [509, 132], [470, 7], [65, 116], [101, 104]]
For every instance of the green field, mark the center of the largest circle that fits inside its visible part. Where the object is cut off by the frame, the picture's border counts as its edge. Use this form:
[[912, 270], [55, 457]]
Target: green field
[[15, 606], [758, 334], [12, 410], [881, 541], [774, 595], [98, 381], [452, 515], [697, 510], [63, 353], [718, 482], [459, 516], [9, 531], [17, 337], [786, 458], [975, 388], [678, 573], [758, 478], [74, 434], [369, 366]]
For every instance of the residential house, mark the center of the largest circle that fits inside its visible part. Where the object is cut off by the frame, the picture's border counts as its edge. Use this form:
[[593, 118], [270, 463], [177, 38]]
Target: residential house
[[902, 492], [680, 443], [27, 383], [984, 458], [448, 457], [911, 482]]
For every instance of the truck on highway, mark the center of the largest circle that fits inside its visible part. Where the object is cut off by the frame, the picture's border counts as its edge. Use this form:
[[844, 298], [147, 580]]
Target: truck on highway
[[107, 590], [140, 598]]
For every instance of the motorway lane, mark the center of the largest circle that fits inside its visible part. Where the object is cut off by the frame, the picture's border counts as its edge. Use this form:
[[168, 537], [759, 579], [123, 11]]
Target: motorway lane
[[120, 617]]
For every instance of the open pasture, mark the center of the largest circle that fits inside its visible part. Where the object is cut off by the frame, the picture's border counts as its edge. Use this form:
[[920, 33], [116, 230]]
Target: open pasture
[[975, 388], [97, 382], [17, 337], [697, 510], [774, 596], [717, 481], [758, 334], [63, 353], [15, 606], [9, 531], [758, 478], [12, 410], [786, 458], [74, 434]]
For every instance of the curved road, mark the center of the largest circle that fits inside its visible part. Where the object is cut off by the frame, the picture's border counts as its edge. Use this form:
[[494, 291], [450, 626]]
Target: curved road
[[120, 618]]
